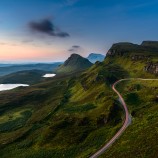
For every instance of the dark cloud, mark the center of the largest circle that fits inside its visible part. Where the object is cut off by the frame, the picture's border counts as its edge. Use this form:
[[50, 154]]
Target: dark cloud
[[76, 49], [62, 34], [71, 50], [46, 26]]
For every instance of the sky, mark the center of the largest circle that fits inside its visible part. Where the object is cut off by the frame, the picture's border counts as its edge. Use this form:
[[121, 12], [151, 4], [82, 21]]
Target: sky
[[51, 30]]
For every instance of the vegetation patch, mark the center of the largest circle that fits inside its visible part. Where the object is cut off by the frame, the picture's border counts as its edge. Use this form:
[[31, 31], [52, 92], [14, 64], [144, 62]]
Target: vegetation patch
[[80, 108], [133, 99], [15, 123]]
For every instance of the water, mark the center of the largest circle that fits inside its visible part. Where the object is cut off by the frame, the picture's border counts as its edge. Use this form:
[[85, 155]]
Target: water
[[4, 87], [49, 75]]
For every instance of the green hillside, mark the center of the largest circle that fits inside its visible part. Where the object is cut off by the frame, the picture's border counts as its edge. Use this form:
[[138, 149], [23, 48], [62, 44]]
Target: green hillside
[[6, 69], [25, 77], [74, 115], [141, 137], [71, 114], [73, 64], [137, 60]]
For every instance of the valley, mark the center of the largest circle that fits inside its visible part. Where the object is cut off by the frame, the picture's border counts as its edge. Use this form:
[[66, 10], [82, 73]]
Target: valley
[[78, 112], [78, 79]]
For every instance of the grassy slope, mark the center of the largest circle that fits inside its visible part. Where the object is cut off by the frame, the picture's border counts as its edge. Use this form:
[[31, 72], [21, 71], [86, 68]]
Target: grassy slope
[[25, 77], [75, 116], [141, 138], [15, 68], [135, 69], [74, 63]]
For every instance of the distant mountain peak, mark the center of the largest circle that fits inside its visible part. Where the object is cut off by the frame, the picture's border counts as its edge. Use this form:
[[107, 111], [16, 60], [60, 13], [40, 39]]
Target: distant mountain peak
[[93, 57], [75, 55], [74, 63]]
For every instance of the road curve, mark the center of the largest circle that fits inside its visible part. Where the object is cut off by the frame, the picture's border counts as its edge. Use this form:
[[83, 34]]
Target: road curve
[[127, 120]]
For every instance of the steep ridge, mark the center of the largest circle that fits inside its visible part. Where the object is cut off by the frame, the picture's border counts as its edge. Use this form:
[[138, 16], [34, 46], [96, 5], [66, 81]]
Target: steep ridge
[[126, 48], [152, 44], [74, 63], [136, 59]]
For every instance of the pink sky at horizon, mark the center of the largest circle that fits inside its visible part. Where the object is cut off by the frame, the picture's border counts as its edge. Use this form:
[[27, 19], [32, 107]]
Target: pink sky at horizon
[[16, 52], [19, 53]]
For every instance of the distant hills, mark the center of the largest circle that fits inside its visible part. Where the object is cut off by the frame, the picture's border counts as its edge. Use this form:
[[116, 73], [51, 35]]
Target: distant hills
[[74, 63], [24, 77], [93, 57], [5, 70]]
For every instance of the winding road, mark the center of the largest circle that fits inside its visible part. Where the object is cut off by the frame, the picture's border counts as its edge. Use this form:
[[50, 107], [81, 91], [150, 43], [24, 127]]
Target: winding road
[[127, 120]]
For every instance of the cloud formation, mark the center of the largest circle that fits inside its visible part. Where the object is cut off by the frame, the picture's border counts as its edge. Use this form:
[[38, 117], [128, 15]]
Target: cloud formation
[[76, 49], [76, 46], [8, 44], [3, 43], [46, 26]]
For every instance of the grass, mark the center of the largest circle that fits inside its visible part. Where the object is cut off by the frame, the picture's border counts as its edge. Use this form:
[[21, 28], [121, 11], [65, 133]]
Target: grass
[[140, 138], [79, 109], [68, 117], [12, 115], [15, 121], [74, 115]]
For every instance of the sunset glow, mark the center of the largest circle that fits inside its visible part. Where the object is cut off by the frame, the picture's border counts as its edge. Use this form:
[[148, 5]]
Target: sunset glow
[[49, 30], [30, 53]]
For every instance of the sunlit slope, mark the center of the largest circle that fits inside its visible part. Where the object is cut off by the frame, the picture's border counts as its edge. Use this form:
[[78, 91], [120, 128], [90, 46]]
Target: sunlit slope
[[73, 113]]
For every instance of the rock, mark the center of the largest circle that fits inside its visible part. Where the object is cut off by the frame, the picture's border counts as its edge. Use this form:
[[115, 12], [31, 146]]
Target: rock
[[151, 67]]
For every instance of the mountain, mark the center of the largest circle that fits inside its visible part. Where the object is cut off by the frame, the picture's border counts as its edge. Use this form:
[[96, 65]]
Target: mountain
[[74, 63], [150, 44], [5, 65], [125, 48], [136, 59], [20, 67], [93, 57], [24, 77], [77, 113]]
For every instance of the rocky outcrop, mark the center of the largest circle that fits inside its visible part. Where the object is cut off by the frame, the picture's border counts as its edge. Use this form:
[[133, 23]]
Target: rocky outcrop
[[114, 52], [153, 44], [125, 48], [140, 57], [122, 48], [151, 67]]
